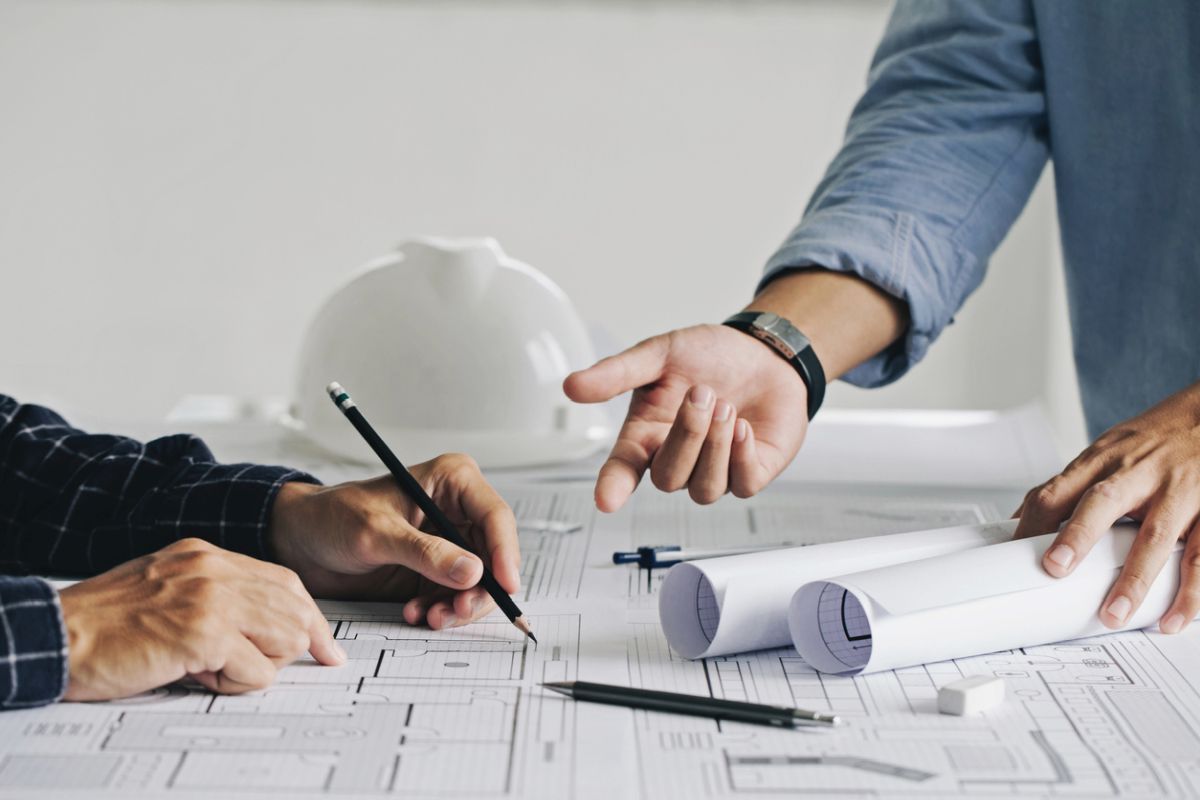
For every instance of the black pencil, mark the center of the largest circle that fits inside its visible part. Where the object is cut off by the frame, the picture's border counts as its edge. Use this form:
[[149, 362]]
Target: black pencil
[[693, 705], [442, 526]]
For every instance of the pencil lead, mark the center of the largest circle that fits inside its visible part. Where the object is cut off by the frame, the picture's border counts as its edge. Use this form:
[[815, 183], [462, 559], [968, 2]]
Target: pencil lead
[[524, 628]]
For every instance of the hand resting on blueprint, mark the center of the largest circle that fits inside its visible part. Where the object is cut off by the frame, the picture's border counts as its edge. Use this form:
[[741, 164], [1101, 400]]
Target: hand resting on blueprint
[[366, 540], [1147, 468], [191, 609]]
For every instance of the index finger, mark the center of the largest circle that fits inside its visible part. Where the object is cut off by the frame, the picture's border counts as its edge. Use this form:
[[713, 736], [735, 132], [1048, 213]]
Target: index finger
[[639, 365], [486, 510]]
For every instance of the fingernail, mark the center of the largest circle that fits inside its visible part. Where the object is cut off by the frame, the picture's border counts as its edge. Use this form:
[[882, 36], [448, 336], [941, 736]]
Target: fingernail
[[1172, 624], [701, 396], [1061, 555], [1119, 608], [463, 569], [339, 652], [740, 430], [723, 411], [449, 621]]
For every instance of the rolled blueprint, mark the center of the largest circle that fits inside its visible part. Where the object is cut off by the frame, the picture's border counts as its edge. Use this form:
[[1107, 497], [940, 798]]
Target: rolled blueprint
[[964, 604], [738, 603]]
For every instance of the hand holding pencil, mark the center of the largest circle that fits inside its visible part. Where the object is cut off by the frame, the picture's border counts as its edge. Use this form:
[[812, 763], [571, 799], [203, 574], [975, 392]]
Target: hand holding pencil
[[368, 540]]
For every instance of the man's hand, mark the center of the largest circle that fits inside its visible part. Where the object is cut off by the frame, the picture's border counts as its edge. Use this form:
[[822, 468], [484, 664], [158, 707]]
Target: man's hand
[[1147, 468], [191, 609], [713, 410], [366, 540]]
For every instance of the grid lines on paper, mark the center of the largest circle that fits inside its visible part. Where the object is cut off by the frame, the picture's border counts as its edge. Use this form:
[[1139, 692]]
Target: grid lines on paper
[[844, 626], [707, 610]]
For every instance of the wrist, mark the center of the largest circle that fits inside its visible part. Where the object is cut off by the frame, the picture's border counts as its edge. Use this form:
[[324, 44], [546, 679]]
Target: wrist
[[847, 319], [288, 513], [789, 344], [79, 637]]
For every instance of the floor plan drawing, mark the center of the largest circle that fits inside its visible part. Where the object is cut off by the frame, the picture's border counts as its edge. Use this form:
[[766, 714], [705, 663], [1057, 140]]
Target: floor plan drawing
[[399, 717], [1105, 717], [433, 715]]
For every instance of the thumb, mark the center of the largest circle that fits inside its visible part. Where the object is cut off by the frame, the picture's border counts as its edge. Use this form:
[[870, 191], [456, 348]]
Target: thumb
[[639, 365], [433, 557]]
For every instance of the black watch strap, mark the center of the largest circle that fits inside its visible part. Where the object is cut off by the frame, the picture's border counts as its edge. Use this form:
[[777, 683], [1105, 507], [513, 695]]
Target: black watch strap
[[792, 345]]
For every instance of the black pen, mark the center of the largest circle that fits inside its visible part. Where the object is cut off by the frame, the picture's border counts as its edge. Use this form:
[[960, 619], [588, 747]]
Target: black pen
[[693, 705], [443, 526]]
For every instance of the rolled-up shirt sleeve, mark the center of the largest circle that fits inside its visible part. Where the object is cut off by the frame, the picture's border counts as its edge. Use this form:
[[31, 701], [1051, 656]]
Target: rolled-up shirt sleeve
[[940, 155]]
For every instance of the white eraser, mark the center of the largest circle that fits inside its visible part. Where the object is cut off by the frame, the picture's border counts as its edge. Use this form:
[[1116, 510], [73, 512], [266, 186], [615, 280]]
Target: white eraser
[[971, 695]]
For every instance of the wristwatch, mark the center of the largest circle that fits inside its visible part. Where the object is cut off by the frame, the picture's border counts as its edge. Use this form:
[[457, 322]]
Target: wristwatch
[[792, 345]]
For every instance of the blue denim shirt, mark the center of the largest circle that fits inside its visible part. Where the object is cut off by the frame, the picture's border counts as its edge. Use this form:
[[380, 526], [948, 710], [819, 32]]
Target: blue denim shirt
[[964, 104]]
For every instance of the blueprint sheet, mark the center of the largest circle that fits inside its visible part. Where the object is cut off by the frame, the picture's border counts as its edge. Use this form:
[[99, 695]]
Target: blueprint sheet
[[424, 714]]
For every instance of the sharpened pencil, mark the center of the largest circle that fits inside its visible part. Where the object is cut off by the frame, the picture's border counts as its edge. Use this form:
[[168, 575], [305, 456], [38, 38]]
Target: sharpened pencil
[[410, 486], [693, 705]]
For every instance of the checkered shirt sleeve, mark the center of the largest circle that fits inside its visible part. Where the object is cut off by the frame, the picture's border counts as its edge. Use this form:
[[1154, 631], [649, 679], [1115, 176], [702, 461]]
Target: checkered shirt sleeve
[[73, 503]]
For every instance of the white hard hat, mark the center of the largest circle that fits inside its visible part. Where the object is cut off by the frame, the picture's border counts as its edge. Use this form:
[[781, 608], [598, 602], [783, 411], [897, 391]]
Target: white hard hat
[[449, 345]]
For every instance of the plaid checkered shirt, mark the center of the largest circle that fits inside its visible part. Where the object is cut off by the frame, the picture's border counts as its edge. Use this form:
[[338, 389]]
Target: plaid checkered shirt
[[77, 504]]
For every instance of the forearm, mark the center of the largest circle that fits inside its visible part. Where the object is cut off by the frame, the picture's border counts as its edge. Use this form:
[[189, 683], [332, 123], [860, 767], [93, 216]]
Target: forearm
[[77, 503], [847, 319], [940, 155]]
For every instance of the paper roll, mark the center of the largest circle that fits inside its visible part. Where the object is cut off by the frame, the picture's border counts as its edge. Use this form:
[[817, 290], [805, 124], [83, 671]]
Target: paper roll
[[738, 603], [964, 604]]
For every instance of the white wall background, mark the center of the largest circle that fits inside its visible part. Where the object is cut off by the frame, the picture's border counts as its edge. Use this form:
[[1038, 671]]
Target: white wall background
[[182, 182]]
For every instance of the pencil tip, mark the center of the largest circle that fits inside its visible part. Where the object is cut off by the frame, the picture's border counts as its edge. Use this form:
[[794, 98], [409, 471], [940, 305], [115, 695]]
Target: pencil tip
[[524, 628]]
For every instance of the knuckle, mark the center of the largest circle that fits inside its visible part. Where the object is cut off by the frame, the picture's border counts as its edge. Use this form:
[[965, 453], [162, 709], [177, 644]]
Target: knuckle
[[1136, 582], [692, 427], [294, 583], [201, 590], [289, 578], [499, 518], [1045, 496], [191, 545], [1109, 489], [1126, 461], [200, 561], [1075, 531], [456, 466], [1158, 535], [429, 550]]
